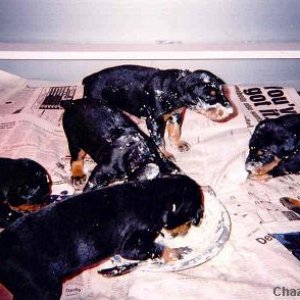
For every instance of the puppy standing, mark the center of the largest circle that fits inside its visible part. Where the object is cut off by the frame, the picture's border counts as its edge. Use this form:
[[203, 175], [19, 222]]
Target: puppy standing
[[120, 149], [161, 96], [25, 186], [38, 251]]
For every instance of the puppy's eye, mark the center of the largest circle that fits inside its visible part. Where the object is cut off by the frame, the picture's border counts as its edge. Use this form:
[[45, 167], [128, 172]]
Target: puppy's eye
[[213, 93], [210, 92]]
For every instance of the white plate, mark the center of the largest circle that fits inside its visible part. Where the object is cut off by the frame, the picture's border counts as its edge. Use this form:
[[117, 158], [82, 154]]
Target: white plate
[[206, 241]]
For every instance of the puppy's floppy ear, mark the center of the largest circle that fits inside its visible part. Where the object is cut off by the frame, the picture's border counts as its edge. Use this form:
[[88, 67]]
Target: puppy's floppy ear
[[173, 216], [207, 77], [262, 128], [184, 73], [184, 81], [165, 217]]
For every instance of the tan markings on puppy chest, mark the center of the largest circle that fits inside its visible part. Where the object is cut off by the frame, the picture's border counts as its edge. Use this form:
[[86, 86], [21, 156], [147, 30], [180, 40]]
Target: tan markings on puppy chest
[[180, 230], [174, 132], [77, 166]]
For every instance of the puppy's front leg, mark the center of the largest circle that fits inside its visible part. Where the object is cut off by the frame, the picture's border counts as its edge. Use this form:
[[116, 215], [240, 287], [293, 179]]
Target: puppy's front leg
[[156, 129], [158, 251], [142, 247], [77, 155], [174, 125], [77, 167], [166, 253]]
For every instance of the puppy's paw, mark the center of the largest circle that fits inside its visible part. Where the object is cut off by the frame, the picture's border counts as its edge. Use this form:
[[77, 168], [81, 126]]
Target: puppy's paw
[[173, 254], [77, 171], [168, 155], [78, 180], [183, 146], [118, 270]]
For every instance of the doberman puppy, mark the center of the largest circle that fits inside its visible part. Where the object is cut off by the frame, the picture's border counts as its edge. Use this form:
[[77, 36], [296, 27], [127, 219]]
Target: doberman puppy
[[120, 149], [274, 148], [38, 251], [161, 96], [25, 186]]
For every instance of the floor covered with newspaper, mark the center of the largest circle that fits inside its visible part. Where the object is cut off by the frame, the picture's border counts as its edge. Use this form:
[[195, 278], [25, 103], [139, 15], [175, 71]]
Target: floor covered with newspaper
[[239, 252]]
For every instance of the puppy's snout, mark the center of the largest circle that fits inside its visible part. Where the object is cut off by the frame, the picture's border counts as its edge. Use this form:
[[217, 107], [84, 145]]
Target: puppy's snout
[[225, 90], [228, 109], [250, 166], [254, 168], [219, 112]]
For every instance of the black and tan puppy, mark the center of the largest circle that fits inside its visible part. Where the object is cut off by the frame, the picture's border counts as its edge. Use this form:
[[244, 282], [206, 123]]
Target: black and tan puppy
[[25, 186], [161, 96], [38, 251], [274, 148], [120, 149]]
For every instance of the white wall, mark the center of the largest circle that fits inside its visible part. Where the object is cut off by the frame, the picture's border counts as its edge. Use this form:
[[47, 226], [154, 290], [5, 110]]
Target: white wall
[[150, 21], [95, 21], [279, 72]]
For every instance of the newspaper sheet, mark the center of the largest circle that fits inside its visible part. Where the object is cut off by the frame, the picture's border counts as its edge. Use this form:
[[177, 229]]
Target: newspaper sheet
[[252, 262]]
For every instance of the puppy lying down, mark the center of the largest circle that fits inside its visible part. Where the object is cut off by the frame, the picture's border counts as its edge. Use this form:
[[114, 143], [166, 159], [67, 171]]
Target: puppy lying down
[[274, 148], [38, 251], [202, 243]]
